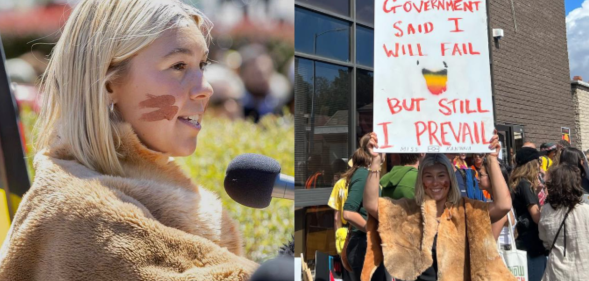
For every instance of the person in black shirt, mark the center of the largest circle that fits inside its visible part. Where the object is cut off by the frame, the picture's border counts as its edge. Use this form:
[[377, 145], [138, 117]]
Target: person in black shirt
[[523, 183]]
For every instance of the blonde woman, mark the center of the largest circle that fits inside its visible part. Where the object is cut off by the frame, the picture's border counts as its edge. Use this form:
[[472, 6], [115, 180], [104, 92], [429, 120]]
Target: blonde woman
[[439, 235], [124, 91]]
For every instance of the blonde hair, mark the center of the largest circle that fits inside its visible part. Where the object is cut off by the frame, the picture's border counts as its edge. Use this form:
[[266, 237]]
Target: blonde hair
[[360, 158], [528, 171], [96, 45], [431, 160]]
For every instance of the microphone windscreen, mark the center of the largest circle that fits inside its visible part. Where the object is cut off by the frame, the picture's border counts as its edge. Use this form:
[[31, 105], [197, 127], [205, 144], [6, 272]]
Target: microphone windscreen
[[278, 269], [250, 179]]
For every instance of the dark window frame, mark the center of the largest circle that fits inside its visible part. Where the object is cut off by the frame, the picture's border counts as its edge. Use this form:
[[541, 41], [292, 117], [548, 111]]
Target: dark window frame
[[325, 10], [335, 17], [354, 23]]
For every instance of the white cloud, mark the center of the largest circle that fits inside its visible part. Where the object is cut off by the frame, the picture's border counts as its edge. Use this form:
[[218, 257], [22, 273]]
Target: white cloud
[[577, 22]]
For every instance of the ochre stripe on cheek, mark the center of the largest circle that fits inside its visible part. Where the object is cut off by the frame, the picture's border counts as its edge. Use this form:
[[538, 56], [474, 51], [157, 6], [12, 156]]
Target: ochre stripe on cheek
[[167, 109]]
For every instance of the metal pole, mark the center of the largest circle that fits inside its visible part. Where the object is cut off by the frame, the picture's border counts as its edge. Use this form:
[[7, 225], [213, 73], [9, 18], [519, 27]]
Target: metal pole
[[490, 35], [312, 118], [513, 16], [13, 156]]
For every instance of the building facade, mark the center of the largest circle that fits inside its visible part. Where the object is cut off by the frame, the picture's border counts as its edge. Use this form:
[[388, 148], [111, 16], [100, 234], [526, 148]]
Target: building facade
[[334, 81], [580, 91], [530, 68]]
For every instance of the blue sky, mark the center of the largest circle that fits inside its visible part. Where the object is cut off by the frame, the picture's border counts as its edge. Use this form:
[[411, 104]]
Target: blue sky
[[570, 5], [577, 25]]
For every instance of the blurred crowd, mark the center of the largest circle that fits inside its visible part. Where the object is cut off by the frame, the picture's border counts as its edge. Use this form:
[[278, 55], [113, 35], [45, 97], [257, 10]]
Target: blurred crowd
[[252, 75], [549, 188]]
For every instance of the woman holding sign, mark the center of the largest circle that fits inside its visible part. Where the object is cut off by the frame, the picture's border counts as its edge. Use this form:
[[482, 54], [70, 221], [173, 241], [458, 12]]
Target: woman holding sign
[[439, 235]]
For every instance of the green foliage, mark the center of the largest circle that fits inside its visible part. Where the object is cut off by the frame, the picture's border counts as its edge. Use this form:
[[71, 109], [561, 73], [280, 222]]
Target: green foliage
[[28, 118], [221, 140]]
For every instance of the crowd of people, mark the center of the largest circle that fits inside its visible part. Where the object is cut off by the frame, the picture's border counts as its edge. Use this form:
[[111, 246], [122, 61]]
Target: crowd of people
[[450, 216], [247, 83]]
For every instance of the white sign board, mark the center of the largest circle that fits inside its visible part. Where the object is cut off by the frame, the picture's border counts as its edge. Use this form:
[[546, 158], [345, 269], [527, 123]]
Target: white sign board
[[298, 269], [432, 78]]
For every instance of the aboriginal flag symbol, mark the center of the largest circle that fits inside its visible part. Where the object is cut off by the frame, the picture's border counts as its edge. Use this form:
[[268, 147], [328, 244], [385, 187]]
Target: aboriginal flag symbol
[[435, 81]]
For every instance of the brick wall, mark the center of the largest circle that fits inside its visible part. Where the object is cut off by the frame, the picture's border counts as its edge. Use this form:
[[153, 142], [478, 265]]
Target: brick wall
[[580, 91], [531, 69]]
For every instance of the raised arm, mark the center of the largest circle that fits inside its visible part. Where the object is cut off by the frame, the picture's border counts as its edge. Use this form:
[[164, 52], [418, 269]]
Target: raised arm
[[502, 197], [371, 191]]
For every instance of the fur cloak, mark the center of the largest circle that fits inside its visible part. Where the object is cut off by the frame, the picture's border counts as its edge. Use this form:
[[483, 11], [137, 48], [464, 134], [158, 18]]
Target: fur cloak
[[466, 248], [152, 224]]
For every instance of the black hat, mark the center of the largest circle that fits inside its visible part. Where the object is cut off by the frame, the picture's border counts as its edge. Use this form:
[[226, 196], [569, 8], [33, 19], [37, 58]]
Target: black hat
[[548, 146], [525, 155]]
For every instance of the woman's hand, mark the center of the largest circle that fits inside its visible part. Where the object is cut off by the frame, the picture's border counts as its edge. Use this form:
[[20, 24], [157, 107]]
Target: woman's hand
[[495, 146], [371, 189], [377, 158]]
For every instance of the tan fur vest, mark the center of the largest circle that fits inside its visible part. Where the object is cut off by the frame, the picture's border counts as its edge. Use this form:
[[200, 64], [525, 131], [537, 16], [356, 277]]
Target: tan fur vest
[[466, 248], [152, 224]]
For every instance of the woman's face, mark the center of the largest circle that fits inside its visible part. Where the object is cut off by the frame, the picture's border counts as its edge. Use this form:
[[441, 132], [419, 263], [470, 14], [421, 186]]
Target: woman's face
[[484, 182], [436, 182], [164, 93], [478, 159]]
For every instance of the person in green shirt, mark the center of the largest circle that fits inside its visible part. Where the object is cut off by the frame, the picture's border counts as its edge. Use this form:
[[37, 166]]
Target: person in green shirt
[[355, 213], [400, 181]]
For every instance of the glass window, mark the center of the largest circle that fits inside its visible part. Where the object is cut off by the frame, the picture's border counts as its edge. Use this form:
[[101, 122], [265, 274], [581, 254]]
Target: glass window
[[322, 35], [304, 73], [341, 7], [364, 46], [321, 128], [364, 102], [319, 231], [365, 11]]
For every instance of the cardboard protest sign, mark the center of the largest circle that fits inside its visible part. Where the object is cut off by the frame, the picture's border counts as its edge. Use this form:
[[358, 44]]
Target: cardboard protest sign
[[432, 78]]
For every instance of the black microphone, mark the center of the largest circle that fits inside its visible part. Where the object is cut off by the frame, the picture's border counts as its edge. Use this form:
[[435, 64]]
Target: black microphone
[[253, 179], [278, 269]]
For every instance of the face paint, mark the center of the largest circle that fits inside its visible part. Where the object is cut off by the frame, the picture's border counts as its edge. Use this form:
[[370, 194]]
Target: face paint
[[166, 110]]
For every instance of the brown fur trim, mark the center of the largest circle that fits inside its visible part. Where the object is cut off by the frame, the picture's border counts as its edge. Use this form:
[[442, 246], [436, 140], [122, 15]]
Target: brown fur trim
[[407, 239], [483, 247], [407, 232], [153, 223], [373, 256], [451, 247]]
